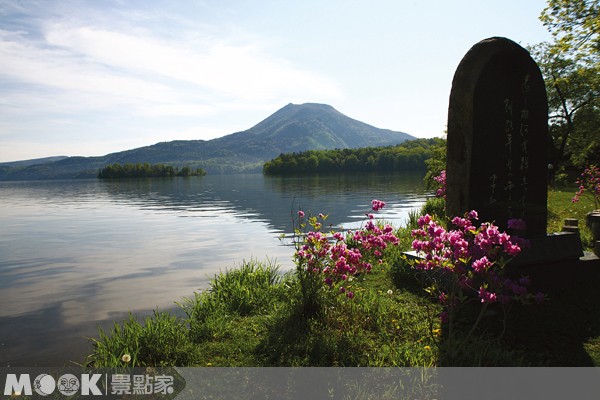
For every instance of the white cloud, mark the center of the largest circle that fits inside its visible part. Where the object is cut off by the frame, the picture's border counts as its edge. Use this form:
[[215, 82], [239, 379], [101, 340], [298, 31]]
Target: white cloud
[[31, 65], [142, 70], [238, 71]]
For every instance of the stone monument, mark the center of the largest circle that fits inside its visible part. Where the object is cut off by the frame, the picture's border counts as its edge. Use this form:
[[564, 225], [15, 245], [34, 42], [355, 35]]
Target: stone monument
[[498, 143]]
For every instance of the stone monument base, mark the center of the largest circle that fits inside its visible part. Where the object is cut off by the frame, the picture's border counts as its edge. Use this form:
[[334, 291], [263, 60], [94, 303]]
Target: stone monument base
[[557, 277], [556, 247]]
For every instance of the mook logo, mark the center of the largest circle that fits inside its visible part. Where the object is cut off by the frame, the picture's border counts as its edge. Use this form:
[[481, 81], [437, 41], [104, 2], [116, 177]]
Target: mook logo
[[38, 383], [45, 384]]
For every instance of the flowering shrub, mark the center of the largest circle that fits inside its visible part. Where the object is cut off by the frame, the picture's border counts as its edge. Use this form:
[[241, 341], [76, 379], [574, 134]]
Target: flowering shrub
[[471, 260], [338, 257], [466, 265], [590, 181]]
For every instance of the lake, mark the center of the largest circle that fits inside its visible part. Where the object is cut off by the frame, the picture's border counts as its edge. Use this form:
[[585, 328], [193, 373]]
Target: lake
[[76, 255]]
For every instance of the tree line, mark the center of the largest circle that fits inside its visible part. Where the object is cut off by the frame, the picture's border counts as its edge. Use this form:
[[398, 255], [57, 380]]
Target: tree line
[[570, 64], [146, 170], [408, 156]]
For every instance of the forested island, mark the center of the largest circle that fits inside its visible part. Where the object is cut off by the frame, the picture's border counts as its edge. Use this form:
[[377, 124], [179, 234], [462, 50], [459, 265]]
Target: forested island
[[408, 156], [146, 170]]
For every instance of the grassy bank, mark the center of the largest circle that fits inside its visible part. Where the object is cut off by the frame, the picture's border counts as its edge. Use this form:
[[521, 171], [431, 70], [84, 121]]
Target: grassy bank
[[560, 207], [255, 315]]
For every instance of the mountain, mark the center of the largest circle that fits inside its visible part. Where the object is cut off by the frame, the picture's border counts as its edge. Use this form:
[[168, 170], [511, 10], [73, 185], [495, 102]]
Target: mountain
[[291, 129], [308, 127], [33, 161]]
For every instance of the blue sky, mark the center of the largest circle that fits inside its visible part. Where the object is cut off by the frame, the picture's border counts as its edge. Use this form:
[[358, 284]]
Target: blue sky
[[99, 76]]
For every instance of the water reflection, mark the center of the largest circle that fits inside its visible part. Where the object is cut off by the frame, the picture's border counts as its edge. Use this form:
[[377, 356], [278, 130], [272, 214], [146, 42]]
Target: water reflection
[[274, 199], [347, 198], [74, 254]]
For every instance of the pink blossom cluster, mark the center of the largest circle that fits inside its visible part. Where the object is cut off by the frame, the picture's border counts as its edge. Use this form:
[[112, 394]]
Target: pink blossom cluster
[[374, 238], [441, 179], [337, 256], [377, 205], [473, 256], [590, 181]]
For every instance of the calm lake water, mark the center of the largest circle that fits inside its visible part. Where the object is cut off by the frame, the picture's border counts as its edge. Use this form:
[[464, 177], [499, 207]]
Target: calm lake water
[[76, 255]]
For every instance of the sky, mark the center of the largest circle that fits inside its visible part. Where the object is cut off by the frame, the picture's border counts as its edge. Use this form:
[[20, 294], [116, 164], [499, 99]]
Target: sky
[[92, 77]]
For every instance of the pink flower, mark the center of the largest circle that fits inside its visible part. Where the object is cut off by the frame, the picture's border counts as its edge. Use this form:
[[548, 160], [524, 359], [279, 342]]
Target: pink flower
[[441, 179], [513, 250], [424, 220], [370, 226], [442, 298], [486, 297], [590, 181], [377, 205], [301, 214], [463, 223], [481, 264], [475, 256]]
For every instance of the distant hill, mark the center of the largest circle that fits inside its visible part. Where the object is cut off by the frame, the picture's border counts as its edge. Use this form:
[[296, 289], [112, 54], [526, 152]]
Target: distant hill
[[34, 161], [291, 129]]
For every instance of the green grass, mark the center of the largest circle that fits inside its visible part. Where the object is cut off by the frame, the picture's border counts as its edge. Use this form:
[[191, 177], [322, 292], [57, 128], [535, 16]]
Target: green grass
[[255, 315], [560, 207], [162, 340]]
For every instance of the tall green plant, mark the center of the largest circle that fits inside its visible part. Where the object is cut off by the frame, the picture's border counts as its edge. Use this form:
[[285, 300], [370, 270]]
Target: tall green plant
[[161, 340]]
